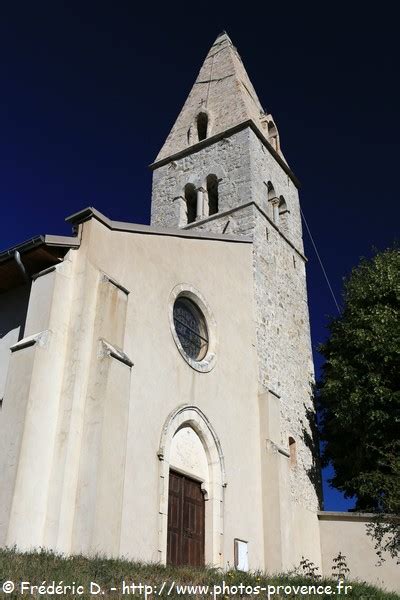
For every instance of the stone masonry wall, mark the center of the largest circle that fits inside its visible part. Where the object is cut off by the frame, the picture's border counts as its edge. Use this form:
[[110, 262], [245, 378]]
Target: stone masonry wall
[[284, 347], [283, 336], [264, 168], [283, 326], [244, 167], [228, 159]]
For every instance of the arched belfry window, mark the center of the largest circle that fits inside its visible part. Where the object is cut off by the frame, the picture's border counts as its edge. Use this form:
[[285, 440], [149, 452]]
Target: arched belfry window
[[212, 193], [202, 126], [273, 201], [191, 202], [273, 135]]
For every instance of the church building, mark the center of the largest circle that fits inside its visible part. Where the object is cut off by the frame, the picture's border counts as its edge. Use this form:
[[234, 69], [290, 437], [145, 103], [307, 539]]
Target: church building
[[156, 381]]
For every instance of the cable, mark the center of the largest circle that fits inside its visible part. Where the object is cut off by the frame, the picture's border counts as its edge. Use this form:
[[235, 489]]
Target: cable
[[320, 262]]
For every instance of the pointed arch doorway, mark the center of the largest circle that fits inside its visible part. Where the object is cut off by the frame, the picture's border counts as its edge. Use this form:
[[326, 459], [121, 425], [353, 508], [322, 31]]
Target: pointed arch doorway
[[192, 482]]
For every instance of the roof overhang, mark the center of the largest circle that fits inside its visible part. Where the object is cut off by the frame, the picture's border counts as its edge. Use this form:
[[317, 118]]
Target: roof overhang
[[19, 264], [35, 254]]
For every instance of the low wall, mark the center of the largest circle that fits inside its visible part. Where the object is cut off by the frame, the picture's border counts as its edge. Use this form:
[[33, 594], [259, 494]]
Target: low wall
[[347, 533]]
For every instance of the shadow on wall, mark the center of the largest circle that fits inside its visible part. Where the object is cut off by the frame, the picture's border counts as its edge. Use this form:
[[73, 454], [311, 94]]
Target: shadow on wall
[[310, 437], [13, 310]]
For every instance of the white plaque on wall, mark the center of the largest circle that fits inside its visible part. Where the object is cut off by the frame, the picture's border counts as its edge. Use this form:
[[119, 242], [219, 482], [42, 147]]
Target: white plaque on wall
[[241, 555]]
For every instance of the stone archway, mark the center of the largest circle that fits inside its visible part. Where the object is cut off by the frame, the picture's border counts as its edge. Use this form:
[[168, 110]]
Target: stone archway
[[191, 416]]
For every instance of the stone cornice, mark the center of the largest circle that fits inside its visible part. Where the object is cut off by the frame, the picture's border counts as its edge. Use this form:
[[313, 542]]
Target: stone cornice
[[91, 213], [230, 211], [226, 134]]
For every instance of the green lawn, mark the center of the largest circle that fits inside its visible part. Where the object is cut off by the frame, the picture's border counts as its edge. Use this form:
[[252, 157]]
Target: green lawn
[[45, 568]]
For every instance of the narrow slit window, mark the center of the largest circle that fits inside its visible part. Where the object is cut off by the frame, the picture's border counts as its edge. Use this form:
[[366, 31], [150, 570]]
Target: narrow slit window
[[292, 452]]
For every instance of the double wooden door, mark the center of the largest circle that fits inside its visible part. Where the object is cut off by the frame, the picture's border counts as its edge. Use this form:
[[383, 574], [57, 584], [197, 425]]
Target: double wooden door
[[185, 545]]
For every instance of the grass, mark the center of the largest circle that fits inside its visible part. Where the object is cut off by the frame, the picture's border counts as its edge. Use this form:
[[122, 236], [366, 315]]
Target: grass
[[43, 566]]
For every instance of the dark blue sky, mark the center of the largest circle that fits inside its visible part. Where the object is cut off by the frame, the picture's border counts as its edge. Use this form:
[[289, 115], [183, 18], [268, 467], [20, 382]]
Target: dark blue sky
[[90, 90]]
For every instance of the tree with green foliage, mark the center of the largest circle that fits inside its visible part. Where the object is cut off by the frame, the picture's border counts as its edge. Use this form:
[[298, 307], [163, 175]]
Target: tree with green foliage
[[359, 395]]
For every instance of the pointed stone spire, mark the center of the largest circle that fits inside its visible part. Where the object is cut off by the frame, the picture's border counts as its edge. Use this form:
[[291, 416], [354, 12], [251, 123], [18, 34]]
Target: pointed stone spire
[[222, 95]]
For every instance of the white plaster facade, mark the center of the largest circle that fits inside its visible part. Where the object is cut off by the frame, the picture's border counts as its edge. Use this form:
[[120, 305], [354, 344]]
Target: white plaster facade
[[98, 401]]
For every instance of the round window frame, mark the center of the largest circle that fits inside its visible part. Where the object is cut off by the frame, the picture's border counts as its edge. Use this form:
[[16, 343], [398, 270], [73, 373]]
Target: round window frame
[[207, 363]]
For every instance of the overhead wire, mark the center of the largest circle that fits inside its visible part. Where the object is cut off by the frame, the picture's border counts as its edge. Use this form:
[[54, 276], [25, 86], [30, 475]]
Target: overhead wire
[[320, 262]]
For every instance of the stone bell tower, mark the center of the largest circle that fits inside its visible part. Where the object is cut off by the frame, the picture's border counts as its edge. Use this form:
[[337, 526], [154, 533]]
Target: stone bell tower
[[222, 170]]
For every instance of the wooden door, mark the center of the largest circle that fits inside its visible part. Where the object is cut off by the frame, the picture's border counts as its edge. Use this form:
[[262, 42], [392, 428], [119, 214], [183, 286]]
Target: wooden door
[[185, 545]]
